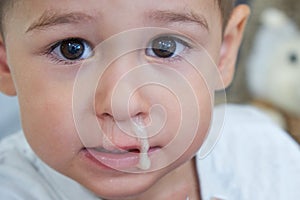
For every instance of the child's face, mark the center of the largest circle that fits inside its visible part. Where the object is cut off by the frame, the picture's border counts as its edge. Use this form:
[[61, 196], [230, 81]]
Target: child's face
[[44, 80]]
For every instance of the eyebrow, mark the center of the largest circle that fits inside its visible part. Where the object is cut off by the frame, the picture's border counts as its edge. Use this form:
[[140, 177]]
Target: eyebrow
[[174, 17], [52, 18]]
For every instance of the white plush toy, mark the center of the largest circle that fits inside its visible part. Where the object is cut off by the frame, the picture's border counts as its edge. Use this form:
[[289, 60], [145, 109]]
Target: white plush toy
[[273, 70]]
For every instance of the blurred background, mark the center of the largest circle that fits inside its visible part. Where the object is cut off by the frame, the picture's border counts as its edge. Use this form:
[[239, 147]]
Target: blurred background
[[268, 69], [9, 115], [267, 73]]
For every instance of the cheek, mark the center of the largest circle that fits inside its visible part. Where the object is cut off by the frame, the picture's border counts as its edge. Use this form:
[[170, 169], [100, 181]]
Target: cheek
[[191, 118], [205, 100], [46, 111]]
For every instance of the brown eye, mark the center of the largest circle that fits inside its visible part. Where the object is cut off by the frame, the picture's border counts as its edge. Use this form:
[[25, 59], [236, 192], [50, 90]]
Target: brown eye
[[166, 47], [72, 49]]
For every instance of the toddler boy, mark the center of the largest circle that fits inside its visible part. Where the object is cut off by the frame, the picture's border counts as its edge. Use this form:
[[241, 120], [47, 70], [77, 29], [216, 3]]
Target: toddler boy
[[116, 100]]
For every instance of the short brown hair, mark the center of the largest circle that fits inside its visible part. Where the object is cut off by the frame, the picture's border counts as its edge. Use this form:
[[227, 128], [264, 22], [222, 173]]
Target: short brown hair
[[4, 5], [226, 7]]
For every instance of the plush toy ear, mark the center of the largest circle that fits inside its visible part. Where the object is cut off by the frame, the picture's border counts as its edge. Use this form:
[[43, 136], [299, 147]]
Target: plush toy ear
[[277, 22], [6, 82], [274, 18], [231, 43]]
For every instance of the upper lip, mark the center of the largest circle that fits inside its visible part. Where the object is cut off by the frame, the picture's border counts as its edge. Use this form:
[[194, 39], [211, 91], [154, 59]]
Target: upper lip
[[124, 150], [123, 145]]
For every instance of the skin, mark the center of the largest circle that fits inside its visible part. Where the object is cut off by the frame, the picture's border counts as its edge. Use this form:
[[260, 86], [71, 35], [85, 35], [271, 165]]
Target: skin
[[45, 88]]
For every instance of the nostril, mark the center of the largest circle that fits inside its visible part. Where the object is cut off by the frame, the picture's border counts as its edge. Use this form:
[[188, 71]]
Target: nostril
[[139, 114], [105, 116], [143, 117]]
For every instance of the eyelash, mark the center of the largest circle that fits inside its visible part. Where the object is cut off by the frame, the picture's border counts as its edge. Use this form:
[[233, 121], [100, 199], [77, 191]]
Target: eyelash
[[178, 57], [55, 58]]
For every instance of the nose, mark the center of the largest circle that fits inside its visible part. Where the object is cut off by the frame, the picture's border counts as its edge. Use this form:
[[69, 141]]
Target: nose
[[119, 101]]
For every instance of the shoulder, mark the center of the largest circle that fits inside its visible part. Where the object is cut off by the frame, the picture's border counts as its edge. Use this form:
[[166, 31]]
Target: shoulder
[[245, 127], [14, 151], [253, 159], [19, 177]]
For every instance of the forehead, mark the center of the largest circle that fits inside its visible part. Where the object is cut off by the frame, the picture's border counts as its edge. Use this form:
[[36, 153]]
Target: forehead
[[118, 9], [117, 4]]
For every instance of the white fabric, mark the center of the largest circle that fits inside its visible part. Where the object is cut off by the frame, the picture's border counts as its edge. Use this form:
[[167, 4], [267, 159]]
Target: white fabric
[[252, 160], [9, 115], [25, 177]]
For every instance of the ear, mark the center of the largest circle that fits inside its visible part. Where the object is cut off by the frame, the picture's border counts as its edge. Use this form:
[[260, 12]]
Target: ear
[[6, 82], [232, 38]]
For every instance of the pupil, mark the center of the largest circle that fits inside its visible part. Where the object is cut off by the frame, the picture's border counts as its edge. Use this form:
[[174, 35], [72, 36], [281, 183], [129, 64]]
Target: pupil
[[164, 47], [72, 49]]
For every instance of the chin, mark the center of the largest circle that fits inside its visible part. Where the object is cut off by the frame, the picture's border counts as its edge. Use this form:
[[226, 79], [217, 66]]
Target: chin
[[122, 186], [130, 189]]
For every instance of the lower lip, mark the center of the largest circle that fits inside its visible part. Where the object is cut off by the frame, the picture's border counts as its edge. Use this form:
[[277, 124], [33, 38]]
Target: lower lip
[[111, 161]]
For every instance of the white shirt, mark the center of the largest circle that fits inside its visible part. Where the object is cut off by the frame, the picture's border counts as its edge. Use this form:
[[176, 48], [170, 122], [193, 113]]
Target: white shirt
[[253, 160]]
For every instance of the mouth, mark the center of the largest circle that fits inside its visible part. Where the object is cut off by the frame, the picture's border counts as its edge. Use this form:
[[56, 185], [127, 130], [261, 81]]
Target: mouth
[[116, 159]]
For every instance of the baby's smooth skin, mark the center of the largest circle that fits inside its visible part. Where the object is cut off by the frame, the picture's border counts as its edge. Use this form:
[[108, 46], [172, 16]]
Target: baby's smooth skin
[[43, 78]]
